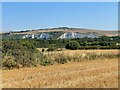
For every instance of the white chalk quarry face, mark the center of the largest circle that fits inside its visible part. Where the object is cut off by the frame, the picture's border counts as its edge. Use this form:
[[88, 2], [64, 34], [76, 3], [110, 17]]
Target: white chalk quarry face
[[71, 35], [67, 35], [44, 35], [38, 36]]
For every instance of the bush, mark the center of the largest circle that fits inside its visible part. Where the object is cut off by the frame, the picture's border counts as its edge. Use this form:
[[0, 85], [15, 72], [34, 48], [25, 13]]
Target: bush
[[73, 45], [46, 62], [8, 62], [21, 53], [61, 58]]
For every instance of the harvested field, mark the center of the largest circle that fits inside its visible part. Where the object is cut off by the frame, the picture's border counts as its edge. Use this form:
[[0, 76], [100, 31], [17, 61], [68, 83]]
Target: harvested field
[[86, 74], [113, 51]]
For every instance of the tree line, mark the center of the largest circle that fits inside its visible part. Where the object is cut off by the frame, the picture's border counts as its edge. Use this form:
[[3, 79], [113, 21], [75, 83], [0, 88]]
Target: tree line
[[103, 42], [24, 52]]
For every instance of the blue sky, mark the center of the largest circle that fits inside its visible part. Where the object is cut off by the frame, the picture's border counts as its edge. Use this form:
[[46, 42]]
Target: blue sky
[[26, 15]]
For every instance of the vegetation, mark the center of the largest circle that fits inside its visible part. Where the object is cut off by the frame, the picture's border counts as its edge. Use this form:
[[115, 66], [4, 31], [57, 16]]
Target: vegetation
[[73, 45], [69, 56], [19, 53], [85, 43], [102, 42], [24, 52]]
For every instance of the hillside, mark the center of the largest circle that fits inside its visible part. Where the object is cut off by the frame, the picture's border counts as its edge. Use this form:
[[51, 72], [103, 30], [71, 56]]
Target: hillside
[[60, 33], [66, 29]]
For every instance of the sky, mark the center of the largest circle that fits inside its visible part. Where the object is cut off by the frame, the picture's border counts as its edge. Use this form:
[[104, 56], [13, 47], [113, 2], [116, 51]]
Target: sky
[[17, 16]]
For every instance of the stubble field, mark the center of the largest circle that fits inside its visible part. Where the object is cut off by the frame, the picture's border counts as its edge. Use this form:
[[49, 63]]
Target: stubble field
[[86, 74]]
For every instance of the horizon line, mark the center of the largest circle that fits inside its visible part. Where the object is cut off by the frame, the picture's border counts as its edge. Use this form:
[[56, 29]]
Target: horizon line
[[18, 30]]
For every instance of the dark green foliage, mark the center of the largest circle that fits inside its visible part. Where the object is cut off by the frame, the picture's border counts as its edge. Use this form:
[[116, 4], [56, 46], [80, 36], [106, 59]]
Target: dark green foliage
[[73, 45], [90, 43], [29, 45], [102, 41], [23, 53], [47, 62]]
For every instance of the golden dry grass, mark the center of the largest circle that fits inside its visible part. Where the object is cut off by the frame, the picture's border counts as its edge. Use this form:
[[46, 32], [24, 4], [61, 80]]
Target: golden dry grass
[[114, 51], [86, 74], [78, 53]]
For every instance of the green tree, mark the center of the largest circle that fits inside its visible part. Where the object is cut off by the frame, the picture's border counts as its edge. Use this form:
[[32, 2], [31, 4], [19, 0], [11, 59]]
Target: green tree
[[73, 45]]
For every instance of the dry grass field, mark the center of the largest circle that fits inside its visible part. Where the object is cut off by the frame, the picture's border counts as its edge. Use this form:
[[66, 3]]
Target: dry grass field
[[112, 51], [107, 51], [85, 74]]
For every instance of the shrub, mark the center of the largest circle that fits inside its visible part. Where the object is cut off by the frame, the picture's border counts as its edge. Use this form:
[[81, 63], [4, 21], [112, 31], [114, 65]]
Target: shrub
[[8, 62], [29, 45], [23, 54], [46, 62], [61, 58], [73, 45]]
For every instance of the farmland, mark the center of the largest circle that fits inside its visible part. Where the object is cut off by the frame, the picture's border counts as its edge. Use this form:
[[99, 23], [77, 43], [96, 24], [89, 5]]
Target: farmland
[[28, 64], [59, 45], [99, 73]]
